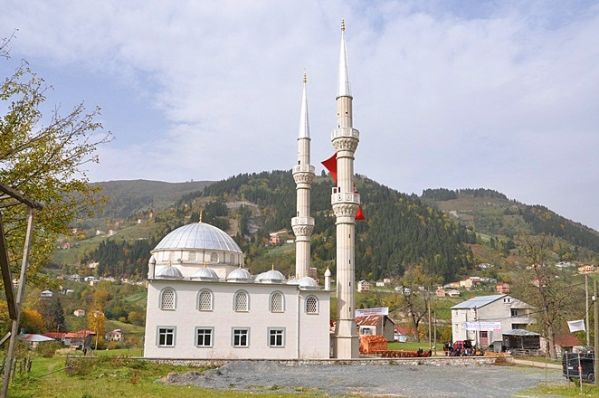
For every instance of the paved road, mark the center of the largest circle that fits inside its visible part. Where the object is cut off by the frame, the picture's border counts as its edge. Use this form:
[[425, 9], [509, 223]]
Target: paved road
[[402, 380]]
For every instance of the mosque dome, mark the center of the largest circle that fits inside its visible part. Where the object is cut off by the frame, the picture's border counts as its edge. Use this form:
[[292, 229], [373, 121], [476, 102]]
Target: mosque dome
[[307, 283], [169, 272], [272, 276], [205, 274], [293, 281], [239, 275], [198, 236]]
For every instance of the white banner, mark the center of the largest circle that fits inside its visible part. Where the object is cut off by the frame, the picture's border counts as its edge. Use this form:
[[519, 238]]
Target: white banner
[[372, 311], [484, 326], [576, 326]]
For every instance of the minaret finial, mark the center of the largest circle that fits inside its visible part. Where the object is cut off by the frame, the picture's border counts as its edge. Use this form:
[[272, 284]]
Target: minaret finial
[[343, 89], [304, 127]]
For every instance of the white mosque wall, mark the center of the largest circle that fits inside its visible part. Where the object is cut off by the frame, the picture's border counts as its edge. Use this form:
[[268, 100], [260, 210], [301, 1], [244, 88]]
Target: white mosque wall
[[305, 335]]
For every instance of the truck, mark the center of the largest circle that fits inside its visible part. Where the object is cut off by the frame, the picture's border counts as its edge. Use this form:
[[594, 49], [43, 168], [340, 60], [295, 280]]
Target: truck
[[571, 362]]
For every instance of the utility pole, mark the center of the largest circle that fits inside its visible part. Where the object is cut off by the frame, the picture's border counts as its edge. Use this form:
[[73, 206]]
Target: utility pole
[[430, 338], [596, 316], [434, 333], [586, 306]]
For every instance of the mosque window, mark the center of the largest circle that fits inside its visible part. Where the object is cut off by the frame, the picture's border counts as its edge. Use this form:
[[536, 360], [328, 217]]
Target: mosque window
[[311, 305], [166, 336], [192, 257], [204, 337], [241, 337], [167, 299], [205, 300], [213, 257], [277, 302], [276, 337], [241, 301]]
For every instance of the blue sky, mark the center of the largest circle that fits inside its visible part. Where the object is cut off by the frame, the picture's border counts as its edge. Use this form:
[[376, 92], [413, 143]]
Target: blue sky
[[450, 94]]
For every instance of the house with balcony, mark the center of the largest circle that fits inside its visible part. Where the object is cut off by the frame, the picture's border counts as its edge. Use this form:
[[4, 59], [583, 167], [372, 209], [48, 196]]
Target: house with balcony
[[484, 319]]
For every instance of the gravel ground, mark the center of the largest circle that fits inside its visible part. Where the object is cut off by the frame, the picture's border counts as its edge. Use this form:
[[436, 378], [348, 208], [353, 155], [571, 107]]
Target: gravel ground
[[403, 380]]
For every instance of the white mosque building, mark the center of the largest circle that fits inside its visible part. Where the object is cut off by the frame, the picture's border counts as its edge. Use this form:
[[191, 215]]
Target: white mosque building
[[204, 304]]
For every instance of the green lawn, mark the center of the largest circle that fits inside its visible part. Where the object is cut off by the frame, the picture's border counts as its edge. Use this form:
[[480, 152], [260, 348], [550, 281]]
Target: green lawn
[[561, 390], [113, 375], [413, 346]]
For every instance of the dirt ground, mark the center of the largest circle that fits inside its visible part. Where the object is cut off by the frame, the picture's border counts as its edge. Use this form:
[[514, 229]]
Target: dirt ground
[[403, 380]]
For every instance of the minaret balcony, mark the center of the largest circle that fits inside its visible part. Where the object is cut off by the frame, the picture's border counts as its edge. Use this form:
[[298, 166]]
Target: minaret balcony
[[345, 132], [303, 168], [344, 197], [298, 221]]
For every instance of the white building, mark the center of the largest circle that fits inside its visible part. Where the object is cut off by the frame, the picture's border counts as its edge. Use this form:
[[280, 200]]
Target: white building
[[483, 319]]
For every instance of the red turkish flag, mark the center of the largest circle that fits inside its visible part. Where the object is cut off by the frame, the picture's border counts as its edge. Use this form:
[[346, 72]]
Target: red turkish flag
[[331, 165], [360, 214]]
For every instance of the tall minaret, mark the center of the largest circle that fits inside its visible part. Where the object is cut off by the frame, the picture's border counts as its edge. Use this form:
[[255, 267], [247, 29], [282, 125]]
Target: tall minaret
[[303, 174], [345, 203]]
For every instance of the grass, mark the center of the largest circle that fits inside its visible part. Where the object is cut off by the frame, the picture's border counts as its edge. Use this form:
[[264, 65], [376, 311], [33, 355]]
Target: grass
[[113, 374], [561, 390], [413, 346], [539, 359]]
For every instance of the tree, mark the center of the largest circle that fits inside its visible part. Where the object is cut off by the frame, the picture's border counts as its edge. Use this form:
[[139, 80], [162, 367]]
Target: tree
[[52, 314], [415, 302], [550, 291], [43, 157]]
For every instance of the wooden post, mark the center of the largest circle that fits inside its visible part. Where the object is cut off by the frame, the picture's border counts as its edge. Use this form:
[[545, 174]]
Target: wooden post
[[15, 323]]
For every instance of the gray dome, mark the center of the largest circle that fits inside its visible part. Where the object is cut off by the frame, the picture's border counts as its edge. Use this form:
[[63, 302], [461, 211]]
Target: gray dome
[[307, 283], [293, 281], [205, 274], [169, 272], [239, 275], [272, 276], [198, 236]]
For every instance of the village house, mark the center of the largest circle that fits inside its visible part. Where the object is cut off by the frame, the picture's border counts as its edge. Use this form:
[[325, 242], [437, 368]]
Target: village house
[[278, 237], [114, 335], [502, 287], [376, 325], [484, 319], [363, 286], [46, 294], [79, 313]]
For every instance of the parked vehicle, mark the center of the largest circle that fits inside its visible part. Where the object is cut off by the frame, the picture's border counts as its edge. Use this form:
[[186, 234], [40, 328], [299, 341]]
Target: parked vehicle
[[571, 364]]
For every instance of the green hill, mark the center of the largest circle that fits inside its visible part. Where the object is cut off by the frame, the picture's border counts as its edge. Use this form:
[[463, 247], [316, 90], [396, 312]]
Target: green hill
[[503, 224]]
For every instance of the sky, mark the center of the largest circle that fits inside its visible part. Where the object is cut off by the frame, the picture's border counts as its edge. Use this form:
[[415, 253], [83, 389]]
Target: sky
[[456, 94]]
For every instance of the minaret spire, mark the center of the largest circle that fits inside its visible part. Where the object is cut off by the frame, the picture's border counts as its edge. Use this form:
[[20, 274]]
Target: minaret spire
[[303, 174], [304, 127], [343, 89], [345, 202]]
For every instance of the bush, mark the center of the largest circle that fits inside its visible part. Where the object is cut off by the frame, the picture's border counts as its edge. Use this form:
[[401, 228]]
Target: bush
[[47, 350]]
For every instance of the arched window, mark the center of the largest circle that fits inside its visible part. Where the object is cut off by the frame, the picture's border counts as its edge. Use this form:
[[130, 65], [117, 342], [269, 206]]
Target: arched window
[[205, 300], [167, 299], [241, 301], [213, 257], [277, 302], [311, 305]]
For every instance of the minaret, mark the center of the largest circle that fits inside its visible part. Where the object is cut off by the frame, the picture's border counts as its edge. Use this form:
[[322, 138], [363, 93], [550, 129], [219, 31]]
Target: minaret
[[345, 203], [303, 174]]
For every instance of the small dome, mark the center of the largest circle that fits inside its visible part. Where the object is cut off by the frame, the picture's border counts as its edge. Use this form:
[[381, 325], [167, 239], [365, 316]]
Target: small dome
[[205, 274], [239, 275], [293, 281], [272, 276], [307, 283], [327, 272], [169, 272]]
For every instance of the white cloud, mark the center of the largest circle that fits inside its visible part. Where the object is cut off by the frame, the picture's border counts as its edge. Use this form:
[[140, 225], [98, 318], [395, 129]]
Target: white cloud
[[505, 99]]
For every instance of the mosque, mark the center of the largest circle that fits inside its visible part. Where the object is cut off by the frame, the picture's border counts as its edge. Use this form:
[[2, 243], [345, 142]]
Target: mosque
[[204, 304]]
